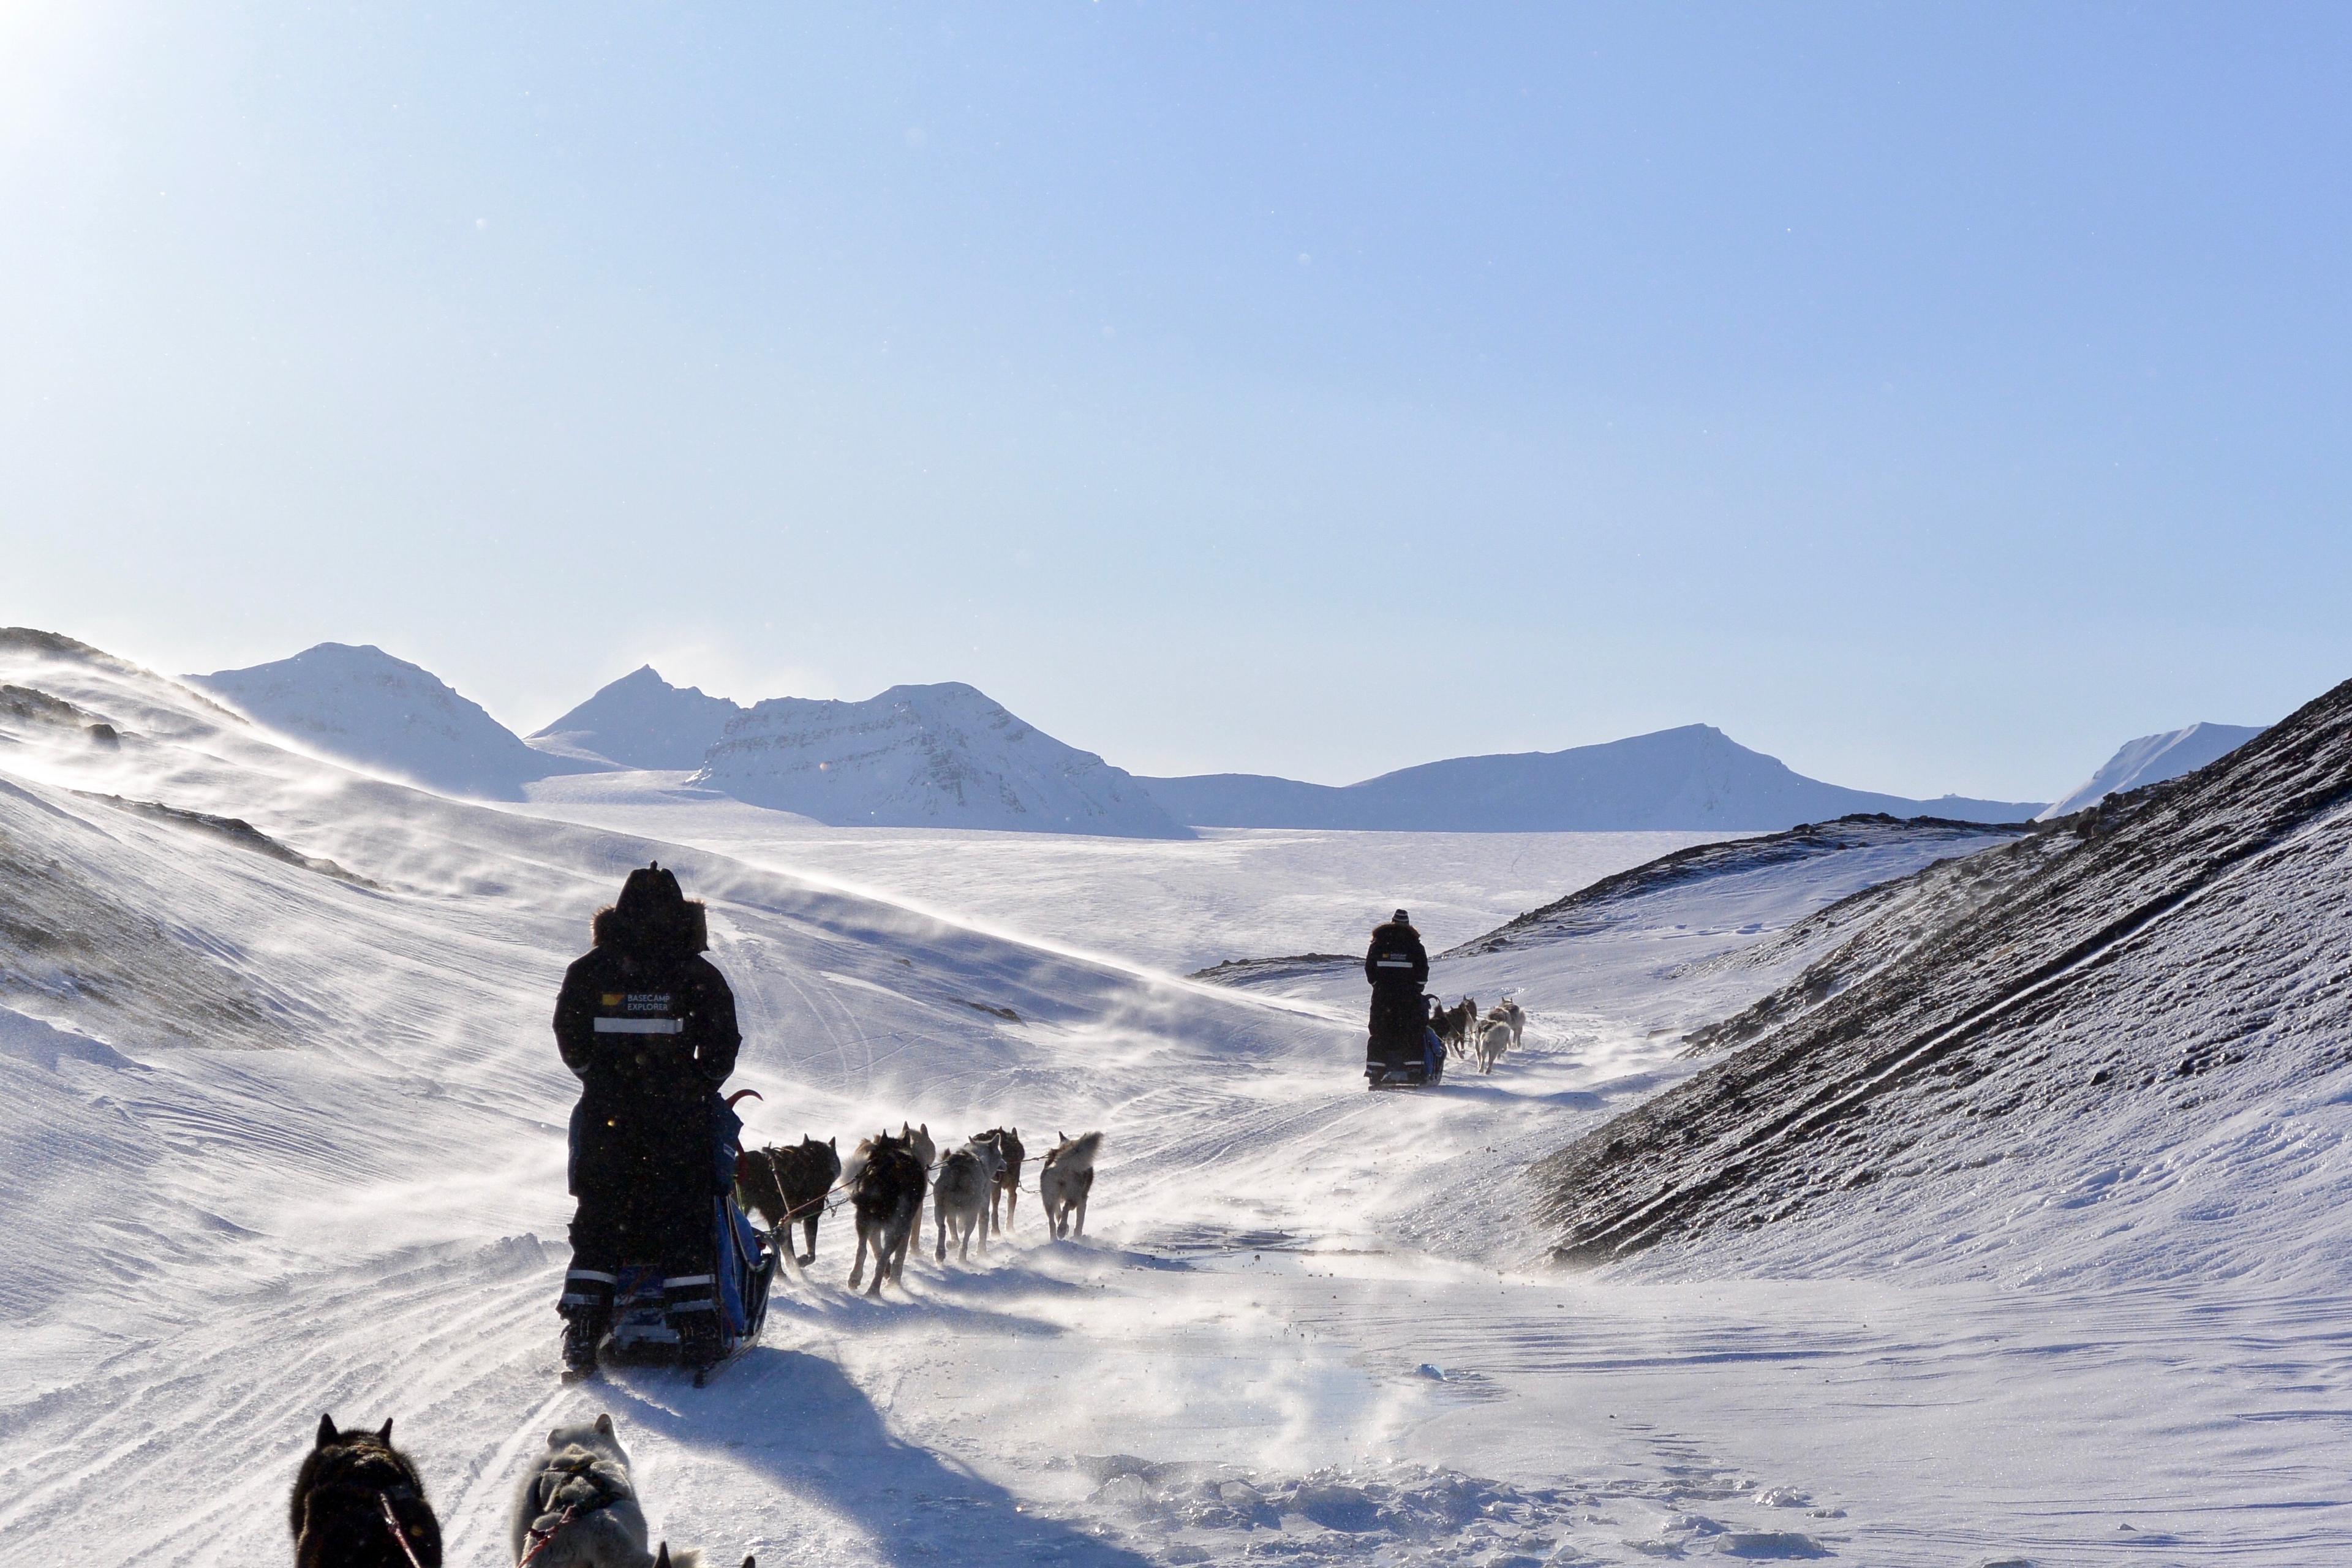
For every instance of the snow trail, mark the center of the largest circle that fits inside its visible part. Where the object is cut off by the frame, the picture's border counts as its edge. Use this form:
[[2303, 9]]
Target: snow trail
[[1304, 1325]]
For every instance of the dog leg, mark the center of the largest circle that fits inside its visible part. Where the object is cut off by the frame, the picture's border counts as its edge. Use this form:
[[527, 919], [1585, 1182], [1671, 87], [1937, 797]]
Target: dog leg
[[809, 1224]]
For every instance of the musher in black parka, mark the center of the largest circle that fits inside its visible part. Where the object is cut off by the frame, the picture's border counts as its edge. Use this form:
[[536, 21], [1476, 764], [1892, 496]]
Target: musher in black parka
[[1398, 967], [648, 1024]]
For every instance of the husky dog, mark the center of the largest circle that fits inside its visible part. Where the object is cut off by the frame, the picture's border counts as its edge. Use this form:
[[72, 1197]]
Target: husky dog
[[918, 1139], [1008, 1175], [1493, 1041], [1455, 1025], [357, 1499], [578, 1509], [888, 1197], [966, 1180], [779, 1185], [1065, 1179], [1515, 1016]]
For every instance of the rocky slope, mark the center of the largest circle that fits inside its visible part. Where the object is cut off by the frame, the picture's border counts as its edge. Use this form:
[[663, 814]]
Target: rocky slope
[[2129, 1032]]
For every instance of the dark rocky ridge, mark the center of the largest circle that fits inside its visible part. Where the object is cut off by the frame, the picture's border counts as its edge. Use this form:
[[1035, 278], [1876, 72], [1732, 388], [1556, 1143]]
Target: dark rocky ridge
[[237, 831], [2141, 945], [1567, 916]]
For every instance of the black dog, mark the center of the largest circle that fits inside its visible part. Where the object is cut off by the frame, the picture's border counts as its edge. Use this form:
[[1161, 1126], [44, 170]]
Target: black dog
[[779, 1185], [359, 1503], [887, 1195]]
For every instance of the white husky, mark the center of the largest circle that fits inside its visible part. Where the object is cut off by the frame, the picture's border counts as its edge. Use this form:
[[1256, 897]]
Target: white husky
[[1493, 1041], [578, 1507], [1067, 1177]]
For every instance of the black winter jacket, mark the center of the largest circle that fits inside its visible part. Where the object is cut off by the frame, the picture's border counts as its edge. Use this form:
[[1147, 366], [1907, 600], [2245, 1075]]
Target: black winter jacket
[[1396, 957], [661, 1026]]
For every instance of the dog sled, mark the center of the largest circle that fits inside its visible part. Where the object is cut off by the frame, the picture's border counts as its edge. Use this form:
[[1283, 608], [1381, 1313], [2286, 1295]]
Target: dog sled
[[743, 1267], [1403, 1049]]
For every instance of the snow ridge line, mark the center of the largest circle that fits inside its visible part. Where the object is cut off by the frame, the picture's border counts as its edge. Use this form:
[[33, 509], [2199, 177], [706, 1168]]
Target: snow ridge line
[[1641, 1228]]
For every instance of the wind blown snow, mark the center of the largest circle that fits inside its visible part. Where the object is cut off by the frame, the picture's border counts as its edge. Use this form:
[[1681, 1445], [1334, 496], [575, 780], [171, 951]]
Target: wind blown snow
[[285, 1133]]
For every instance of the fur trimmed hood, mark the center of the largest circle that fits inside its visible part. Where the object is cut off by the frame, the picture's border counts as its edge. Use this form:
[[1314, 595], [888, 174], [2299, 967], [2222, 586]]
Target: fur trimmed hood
[[652, 917]]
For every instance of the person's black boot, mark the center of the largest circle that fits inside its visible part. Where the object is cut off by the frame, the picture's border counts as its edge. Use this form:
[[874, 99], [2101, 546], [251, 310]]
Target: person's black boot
[[587, 1309], [693, 1310], [582, 1333], [698, 1341]]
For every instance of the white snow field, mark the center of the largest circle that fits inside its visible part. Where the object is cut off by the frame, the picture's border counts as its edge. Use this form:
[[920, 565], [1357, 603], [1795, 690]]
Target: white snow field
[[283, 1128], [1179, 905]]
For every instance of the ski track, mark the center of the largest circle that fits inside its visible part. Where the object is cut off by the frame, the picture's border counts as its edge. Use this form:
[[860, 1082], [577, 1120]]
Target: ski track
[[1307, 1323]]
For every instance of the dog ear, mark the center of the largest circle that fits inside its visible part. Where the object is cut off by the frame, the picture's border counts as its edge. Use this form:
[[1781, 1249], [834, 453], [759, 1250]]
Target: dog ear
[[834, 1143], [327, 1433], [605, 1423], [384, 1437], [661, 1558]]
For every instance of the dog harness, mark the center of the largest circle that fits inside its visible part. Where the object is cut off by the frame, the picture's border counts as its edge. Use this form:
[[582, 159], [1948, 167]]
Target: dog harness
[[562, 1474], [392, 1522]]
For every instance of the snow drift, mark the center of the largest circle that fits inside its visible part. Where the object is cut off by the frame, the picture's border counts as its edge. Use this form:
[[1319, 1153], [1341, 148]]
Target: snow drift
[[925, 756], [1695, 777]]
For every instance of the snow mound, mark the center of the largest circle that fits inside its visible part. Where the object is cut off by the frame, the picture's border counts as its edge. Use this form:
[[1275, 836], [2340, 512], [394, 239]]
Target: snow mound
[[643, 721], [2117, 1055], [2153, 759], [1694, 777], [361, 705], [925, 756]]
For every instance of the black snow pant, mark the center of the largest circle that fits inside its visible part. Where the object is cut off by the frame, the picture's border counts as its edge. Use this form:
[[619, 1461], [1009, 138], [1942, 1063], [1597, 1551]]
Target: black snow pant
[[641, 1172]]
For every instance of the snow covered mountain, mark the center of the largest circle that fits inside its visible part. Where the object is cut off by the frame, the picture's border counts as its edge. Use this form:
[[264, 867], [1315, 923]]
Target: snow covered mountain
[[643, 721], [364, 706], [284, 1130], [2152, 759], [2113, 1049], [1695, 777], [926, 756]]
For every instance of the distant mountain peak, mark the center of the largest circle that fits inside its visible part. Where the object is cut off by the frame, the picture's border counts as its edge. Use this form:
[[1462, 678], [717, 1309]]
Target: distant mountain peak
[[2153, 759], [939, 755], [1690, 777], [641, 721], [363, 705]]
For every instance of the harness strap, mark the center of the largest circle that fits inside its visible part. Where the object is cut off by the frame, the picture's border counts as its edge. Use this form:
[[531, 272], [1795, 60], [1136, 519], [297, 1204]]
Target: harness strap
[[392, 1522], [539, 1538]]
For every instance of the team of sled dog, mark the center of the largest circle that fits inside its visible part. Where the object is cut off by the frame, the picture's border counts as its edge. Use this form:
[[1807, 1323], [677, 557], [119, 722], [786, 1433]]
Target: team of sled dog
[[886, 1178], [1466, 1034], [359, 1502]]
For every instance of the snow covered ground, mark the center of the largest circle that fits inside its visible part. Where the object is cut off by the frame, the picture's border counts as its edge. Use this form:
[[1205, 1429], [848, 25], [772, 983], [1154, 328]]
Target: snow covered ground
[[1178, 905], [285, 1137]]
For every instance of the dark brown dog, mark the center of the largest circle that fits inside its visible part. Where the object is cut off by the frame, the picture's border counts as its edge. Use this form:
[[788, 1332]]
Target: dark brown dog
[[782, 1185], [1008, 1178], [356, 1498]]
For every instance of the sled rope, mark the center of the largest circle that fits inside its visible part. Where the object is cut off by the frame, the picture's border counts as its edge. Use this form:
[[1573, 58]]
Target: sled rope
[[392, 1522], [541, 1539]]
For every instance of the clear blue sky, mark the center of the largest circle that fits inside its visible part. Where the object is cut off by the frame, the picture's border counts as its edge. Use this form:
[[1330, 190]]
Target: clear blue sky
[[1931, 397]]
